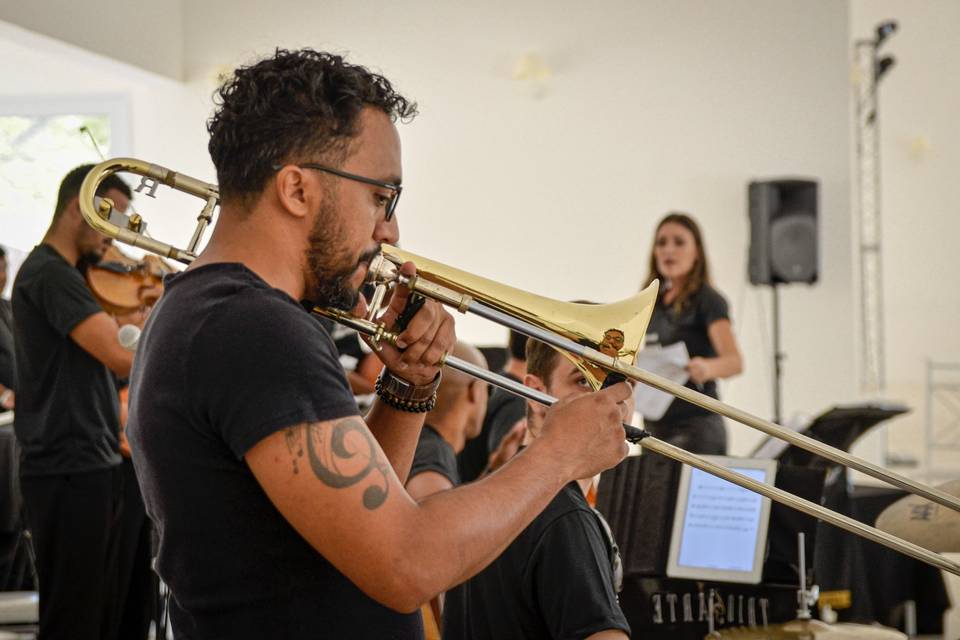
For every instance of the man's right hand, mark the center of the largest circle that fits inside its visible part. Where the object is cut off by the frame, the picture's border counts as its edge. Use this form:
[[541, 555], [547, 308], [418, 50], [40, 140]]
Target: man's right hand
[[587, 431]]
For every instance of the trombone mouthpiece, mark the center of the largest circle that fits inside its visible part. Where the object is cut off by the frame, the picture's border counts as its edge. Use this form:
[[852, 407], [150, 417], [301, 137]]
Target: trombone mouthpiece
[[381, 270]]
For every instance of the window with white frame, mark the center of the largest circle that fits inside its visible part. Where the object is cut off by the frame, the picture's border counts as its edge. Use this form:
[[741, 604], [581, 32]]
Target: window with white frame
[[41, 139]]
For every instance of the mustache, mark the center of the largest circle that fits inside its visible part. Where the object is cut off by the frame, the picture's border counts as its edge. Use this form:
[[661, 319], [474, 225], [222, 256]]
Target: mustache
[[368, 256]]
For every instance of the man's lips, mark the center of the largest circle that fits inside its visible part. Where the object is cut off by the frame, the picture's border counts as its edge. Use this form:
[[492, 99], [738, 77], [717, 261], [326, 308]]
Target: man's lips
[[366, 259]]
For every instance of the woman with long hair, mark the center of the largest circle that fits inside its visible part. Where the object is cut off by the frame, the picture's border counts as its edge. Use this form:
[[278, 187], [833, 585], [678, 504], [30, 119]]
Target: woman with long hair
[[691, 311]]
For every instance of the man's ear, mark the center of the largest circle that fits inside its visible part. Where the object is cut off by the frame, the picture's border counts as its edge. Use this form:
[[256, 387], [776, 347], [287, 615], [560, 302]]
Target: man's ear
[[534, 382], [71, 213], [292, 189], [474, 389]]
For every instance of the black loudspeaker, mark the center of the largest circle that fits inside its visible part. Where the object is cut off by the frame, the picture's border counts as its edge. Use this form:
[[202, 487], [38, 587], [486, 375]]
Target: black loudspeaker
[[783, 231]]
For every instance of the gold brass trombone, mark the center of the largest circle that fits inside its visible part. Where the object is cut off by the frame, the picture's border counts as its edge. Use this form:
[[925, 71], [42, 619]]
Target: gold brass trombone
[[600, 339]]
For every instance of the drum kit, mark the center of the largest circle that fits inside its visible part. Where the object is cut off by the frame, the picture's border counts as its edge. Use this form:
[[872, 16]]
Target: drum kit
[[923, 522], [811, 630]]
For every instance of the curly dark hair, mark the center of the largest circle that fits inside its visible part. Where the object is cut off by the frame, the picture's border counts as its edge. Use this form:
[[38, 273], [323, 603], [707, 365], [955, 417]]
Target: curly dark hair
[[295, 106]]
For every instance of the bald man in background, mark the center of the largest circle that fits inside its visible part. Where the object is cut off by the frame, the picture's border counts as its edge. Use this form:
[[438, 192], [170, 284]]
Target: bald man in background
[[456, 418]]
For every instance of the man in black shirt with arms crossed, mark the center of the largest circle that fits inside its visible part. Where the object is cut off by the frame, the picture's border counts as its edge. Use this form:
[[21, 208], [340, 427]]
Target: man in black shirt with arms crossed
[[281, 511]]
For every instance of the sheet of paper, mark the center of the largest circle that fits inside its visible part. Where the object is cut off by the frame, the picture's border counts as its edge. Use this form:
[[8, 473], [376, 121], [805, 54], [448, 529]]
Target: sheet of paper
[[668, 362]]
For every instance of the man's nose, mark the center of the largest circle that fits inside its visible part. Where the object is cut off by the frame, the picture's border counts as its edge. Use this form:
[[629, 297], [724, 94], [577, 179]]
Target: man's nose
[[387, 232]]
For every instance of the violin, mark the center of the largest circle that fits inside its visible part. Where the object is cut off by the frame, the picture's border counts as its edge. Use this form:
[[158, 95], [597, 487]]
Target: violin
[[123, 285]]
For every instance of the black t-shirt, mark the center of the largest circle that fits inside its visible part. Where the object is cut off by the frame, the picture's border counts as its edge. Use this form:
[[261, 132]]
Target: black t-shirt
[[667, 327], [434, 454], [504, 409], [554, 581], [225, 361], [347, 342], [8, 362], [68, 415]]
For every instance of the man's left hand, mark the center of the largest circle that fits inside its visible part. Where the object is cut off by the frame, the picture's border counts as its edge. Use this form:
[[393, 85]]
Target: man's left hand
[[427, 337]]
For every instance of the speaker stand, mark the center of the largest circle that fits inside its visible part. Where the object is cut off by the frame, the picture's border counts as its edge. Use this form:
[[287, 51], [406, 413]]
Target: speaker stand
[[778, 355]]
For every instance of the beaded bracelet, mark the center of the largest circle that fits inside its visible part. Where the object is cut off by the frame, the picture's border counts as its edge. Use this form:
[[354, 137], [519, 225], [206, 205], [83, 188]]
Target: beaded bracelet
[[413, 403]]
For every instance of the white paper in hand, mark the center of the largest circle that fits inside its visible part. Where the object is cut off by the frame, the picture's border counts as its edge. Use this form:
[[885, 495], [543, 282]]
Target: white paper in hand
[[667, 362]]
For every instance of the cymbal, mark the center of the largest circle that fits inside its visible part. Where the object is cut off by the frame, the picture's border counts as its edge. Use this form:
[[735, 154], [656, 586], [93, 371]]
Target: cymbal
[[809, 630], [923, 522]]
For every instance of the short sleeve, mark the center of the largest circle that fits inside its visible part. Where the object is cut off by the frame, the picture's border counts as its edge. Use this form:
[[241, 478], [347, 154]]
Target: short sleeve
[[436, 456], [271, 366], [713, 306], [571, 579], [63, 295]]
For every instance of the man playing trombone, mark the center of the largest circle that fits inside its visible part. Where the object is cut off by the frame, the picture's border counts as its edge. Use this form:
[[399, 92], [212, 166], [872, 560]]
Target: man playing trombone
[[281, 512]]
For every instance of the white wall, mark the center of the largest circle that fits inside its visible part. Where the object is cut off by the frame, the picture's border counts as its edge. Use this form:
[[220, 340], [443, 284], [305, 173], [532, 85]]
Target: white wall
[[145, 34], [651, 106], [919, 111]]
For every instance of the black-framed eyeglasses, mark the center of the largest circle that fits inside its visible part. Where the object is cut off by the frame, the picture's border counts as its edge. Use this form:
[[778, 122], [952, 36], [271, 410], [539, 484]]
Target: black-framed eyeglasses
[[395, 189]]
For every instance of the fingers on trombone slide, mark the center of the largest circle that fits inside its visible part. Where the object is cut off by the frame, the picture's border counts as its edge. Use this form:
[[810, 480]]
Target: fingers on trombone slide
[[404, 303]]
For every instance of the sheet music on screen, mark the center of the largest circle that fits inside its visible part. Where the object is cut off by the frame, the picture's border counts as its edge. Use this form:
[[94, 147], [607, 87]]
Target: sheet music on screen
[[720, 529], [720, 515]]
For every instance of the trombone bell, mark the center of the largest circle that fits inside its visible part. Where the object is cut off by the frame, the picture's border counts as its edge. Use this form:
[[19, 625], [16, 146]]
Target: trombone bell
[[616, 329]]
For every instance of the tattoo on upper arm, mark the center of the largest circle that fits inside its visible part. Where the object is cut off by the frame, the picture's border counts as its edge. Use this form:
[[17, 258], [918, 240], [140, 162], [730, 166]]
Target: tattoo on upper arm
[[294, 438], [341, 454]]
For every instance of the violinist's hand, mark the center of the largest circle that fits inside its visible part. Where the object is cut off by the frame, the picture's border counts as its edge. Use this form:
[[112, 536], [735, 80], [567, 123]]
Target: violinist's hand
[[427, 337]]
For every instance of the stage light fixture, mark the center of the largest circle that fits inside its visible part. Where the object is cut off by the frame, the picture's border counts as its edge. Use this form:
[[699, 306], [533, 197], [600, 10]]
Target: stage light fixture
[[885, 30], [884, 64]]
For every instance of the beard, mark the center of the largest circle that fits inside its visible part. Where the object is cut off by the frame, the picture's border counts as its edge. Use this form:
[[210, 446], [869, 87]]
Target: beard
[[89, 258], [330, 265], [91, 248]]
